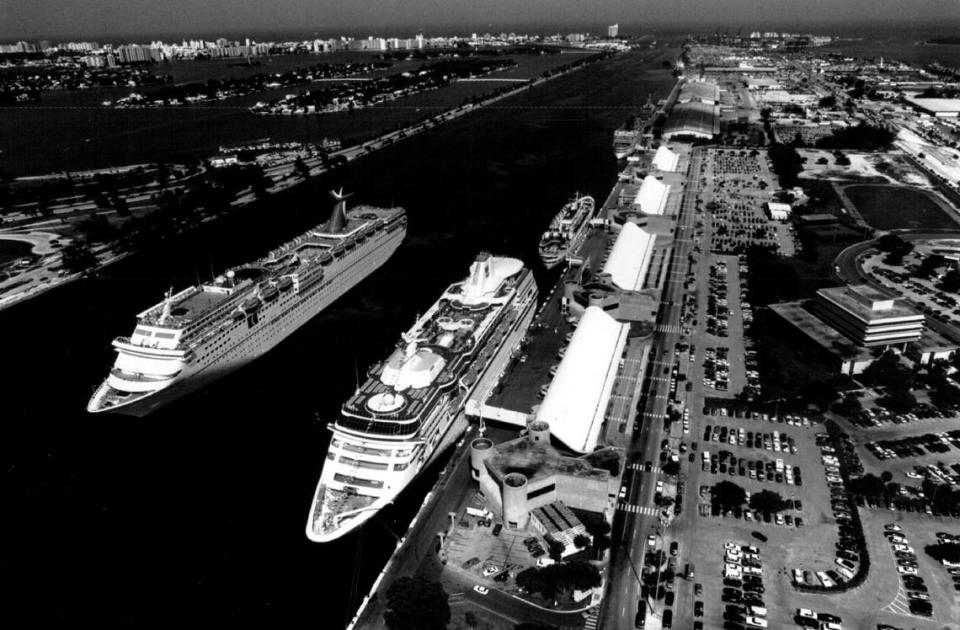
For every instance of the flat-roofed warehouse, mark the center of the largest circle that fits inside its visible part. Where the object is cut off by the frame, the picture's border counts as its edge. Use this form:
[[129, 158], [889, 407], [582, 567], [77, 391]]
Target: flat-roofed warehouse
[[699, 91], [939, 107], [577, 399], [692, 119]]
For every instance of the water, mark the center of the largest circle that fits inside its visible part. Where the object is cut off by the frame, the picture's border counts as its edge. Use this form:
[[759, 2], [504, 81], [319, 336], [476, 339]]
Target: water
[[11, 250], [196, 514], [81, 134]]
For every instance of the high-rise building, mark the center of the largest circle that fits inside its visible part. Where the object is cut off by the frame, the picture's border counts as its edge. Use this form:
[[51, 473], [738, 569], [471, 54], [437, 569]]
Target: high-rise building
[[613, 30]]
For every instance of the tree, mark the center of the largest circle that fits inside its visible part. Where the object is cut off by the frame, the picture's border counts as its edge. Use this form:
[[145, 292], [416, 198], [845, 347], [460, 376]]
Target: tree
[[662, 501], [582, 541], [850, 405], [950, 281], [944, 551], [77, 257], [728, 495], [555, 548], [470, 618], [930, 264], [899, 400], [671, 468], [886, 476], [766, 501], [415, 604]]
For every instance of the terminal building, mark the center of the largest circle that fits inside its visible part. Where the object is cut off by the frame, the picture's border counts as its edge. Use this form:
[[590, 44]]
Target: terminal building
[[869, 316], [527, 474], [694, 119], [855, 323]]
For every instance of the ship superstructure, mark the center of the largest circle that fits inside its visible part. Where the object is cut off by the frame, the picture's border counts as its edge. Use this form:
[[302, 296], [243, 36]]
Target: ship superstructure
[[205, 331], [567, 231], [404, 415]]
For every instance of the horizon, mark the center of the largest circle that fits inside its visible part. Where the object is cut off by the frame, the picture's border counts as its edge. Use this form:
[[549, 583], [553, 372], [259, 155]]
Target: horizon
[[64, 19]]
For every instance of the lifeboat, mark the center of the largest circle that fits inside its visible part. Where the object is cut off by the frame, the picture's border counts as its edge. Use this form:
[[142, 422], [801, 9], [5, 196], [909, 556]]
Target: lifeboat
[[269, 293], [285, 284], [326, 258], [251, 305], [238, 315]]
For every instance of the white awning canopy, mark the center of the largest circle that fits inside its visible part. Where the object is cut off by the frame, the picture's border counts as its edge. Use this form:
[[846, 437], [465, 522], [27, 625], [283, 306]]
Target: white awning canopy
[[652, 196], [577, 400], [630, 258]]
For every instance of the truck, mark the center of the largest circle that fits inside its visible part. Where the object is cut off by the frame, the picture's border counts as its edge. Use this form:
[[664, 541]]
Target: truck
[[690, 574]]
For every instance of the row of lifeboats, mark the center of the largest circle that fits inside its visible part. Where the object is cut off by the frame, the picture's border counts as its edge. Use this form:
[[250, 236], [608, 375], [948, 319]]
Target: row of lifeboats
[[267, 293]]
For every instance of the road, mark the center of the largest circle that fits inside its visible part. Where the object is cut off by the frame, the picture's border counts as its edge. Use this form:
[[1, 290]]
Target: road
[[630, 530]]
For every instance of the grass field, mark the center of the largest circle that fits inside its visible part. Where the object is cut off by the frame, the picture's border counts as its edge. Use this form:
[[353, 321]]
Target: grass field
[[897, 208]]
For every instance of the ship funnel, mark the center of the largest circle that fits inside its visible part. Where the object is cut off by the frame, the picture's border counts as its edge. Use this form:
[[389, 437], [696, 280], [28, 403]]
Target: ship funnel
[[338, 218]]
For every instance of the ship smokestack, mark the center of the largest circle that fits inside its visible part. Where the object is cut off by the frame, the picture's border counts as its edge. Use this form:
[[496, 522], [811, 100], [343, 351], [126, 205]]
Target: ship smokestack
[[338, 218]]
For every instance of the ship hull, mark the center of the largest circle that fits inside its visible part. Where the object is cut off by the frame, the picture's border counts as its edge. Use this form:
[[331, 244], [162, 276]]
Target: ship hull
[[271, 332]]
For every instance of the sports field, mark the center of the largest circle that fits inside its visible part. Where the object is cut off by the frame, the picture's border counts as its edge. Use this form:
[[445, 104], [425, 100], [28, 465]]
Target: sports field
[[898, 208]]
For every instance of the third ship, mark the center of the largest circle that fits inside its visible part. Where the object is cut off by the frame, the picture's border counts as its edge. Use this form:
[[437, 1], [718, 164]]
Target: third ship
[[567, 231]]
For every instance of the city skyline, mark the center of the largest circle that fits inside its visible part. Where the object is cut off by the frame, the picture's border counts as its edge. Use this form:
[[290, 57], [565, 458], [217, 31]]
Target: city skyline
[[59, 18]]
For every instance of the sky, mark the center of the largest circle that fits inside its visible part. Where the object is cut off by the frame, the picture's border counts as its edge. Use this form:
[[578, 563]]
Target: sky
[[64, 18]]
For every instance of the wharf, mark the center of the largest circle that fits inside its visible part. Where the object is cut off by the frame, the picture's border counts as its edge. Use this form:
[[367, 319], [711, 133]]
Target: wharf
[[517, 396]]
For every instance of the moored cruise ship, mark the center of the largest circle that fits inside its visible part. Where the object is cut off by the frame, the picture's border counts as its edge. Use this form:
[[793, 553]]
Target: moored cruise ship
[[567, 231], [409, 409], [205, 331]]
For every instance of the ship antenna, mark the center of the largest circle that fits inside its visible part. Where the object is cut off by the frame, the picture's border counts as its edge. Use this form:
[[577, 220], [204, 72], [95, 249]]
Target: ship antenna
[[356, 373]]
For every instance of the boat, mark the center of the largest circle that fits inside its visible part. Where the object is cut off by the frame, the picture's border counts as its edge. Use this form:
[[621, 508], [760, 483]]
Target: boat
[[411, 407], [567, 231], [205, 331]]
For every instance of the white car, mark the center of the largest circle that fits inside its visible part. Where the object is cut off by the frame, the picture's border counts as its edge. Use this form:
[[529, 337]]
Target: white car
[[731, 546], [652, 540], [483, 590], [892, 527], [906, 548], [490, 569], [757, 622], [659, 486], [906, 570]]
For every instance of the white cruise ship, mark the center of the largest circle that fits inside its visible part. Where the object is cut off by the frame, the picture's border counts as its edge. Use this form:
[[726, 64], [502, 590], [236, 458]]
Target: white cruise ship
[[205, 331], [401, 418], [567, 231]]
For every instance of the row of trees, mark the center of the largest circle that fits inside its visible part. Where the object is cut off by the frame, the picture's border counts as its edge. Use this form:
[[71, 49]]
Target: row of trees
[[728, 495], [557, 579]]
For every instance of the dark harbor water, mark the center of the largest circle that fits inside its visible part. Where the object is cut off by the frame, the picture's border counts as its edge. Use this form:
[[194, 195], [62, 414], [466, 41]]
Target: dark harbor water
[[196, 514]]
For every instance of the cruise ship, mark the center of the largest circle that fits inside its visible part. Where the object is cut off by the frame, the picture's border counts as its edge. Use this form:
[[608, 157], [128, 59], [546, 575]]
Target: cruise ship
[[624, 139], [205, 331], [567, 231], [409, 409]]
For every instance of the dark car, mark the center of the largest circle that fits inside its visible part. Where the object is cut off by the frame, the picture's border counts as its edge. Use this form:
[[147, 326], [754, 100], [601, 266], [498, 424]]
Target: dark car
[[674, 547], [668, 600], [497, 528], [667, 619], [698, 609], [759, 536]]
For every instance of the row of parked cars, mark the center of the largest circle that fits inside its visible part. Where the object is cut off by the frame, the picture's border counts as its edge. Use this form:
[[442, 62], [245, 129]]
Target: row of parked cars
[[743, 589], [877, 416], [716, 368], [796, 420], [725, 463], [915, 445], [718, 312], [918, 598], [771, 441]]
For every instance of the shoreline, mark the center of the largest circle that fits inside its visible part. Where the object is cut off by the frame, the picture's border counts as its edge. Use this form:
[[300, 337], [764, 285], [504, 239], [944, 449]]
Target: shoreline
[[246, 196]]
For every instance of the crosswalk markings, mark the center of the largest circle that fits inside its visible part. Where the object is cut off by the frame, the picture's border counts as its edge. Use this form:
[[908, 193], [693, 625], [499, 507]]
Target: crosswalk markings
[[668, 328], [592, 619], [646, 510], [639, 466]]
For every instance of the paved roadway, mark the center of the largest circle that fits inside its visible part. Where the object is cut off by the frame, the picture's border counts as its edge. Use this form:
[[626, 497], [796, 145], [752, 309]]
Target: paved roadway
[[630, 530]]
